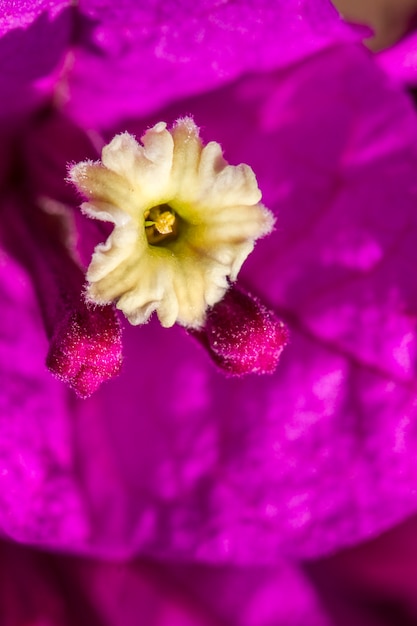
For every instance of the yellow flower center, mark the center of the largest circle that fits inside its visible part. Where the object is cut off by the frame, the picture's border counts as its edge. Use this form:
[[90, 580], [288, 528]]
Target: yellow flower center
[[161, 224], [184, 222]]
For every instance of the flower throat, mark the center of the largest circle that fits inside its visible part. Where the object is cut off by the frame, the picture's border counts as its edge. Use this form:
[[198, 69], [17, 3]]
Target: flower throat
[[161, 224]]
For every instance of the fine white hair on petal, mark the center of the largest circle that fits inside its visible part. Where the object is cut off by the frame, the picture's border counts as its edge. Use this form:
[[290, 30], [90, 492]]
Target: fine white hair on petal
[[214, 209], [105, 212], [111, 254], [146, 167]]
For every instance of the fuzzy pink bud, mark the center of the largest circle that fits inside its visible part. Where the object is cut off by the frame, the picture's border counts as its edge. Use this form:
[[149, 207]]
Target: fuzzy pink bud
[[242, 335], [86, 349]]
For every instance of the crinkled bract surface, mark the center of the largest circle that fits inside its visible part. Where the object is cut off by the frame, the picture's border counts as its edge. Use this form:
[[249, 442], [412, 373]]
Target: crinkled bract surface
[[34, 40], [240, 471], [171, 460]]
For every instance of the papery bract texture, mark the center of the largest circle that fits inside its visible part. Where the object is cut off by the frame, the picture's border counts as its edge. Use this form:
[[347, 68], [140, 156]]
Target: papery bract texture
[[85, 342], [185, 48], [40, 229], [59, 590], [230, 470], [34, 39], [23, 14], [37, 486]]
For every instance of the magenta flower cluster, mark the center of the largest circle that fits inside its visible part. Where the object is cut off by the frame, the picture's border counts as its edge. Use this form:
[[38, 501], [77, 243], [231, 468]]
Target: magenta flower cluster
[[197, 498]]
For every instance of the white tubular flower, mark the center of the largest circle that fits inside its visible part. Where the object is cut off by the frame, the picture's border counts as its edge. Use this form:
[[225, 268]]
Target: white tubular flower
[[184, 219]]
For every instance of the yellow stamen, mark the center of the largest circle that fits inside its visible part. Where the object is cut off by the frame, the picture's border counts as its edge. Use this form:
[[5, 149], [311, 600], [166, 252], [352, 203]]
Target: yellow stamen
[[160, 223]]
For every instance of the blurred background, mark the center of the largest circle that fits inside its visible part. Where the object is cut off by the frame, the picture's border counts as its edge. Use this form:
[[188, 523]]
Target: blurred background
[[389, 19]]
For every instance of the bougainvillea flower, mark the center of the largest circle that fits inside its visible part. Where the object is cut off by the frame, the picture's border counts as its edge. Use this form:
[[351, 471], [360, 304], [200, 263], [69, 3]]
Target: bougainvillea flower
[[185, 221], [219, 486]]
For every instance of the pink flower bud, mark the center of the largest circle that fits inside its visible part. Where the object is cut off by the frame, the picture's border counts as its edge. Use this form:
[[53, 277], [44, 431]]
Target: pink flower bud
[[86, 349], [242, 335]]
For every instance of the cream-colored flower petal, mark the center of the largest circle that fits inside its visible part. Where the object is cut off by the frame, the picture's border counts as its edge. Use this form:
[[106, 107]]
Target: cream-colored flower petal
[[121, 156], [212, 162], [186, 159], [236, 185], [106, 212], [122, 246], [237, 224], [147, 167], [242, 254], [185, 221], [141, 315], [153, 291], [168, 310], [96, 182], [223, 185], [138, 304], [189, 285]]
